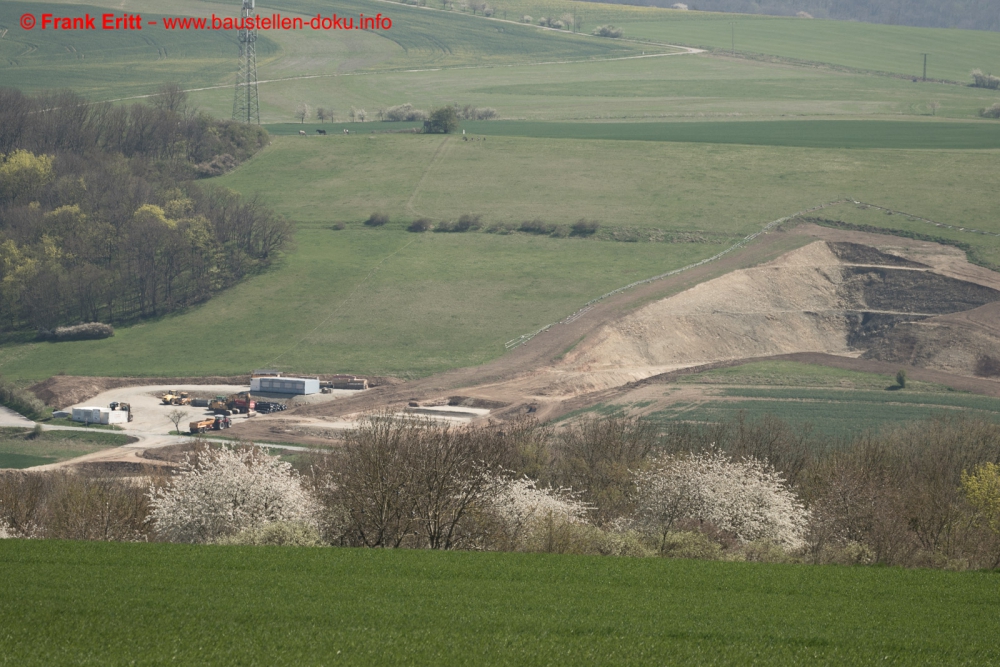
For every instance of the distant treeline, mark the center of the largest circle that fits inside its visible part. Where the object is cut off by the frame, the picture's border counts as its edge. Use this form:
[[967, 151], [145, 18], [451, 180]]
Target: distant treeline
[[100, 219], [969, 14]]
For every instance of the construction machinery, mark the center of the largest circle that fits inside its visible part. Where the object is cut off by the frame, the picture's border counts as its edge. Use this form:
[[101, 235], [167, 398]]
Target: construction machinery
[[123, 407], [218, 405], [176, 398], [241, 403], [215, 423]]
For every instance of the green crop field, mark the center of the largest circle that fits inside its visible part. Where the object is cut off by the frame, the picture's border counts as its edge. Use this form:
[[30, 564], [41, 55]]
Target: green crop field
[[838, 419], [106, 603], [796, 374], [111, 64], [20, 448], [952, 54]]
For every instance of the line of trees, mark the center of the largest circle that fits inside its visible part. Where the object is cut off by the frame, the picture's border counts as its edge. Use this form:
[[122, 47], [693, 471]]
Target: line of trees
[[925, 494], [100, 217]]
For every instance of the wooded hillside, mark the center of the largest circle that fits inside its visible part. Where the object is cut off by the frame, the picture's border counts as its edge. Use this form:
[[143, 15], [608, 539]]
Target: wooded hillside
[[100, 218]]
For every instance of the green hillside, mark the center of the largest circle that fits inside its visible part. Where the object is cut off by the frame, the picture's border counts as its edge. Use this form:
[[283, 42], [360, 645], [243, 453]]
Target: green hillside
[[952, 54], [112, 64], [108, 603]]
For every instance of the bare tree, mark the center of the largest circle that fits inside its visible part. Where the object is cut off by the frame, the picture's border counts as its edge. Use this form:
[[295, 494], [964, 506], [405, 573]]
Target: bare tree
[[322, 114], [302, 112], [934, 106], [176, 417]]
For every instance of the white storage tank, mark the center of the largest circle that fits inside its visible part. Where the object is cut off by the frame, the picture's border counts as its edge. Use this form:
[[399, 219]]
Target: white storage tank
[[285, 385]]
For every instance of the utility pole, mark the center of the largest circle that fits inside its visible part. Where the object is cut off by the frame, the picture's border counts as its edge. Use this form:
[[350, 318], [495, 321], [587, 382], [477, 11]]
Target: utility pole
[[925, 66], [732, 26]]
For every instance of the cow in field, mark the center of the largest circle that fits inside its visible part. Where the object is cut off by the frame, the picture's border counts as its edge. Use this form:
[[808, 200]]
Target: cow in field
[[302, 132], [320, 131]]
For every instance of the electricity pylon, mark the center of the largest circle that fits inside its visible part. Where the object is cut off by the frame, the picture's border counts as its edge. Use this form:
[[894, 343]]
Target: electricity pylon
[[246, 107]]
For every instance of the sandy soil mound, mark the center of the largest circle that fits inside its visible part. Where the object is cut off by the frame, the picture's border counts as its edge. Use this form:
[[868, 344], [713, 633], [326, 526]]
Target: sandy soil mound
[[824, 297]]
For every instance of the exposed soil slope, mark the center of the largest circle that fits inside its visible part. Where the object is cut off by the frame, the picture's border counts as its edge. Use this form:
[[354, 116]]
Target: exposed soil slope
[[815, 299]]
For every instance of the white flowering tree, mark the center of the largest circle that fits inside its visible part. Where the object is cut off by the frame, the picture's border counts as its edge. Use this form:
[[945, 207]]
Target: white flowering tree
[[519, 509], [226, 491], [746, 498]]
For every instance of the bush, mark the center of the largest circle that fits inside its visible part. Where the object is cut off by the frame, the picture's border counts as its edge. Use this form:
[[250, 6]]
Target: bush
[[21, 401], [88, 331], [746, 499], [980, 80], [278, 534], [536, 226], [226, 492], [501, 228], [466, 222], [901, 378], [991, 112], [377, 220], [607, 31], [217, 166], [404, 112], [690, 544], [469, 112], [73, 506], [420, 225], [442, 121], [584, 227]]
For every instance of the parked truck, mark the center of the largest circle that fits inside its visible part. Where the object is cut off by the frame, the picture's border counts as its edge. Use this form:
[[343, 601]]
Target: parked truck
[[215, 423]]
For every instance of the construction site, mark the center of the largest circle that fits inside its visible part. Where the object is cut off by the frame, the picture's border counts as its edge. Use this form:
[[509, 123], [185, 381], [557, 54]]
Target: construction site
[[841, 299]]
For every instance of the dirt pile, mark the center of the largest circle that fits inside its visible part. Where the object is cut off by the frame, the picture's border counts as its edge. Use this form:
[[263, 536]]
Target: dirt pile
[[832, 297]]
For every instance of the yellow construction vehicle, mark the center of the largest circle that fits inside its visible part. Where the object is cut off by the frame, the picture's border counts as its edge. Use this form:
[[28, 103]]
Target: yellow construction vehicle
[[176, 398], [218, 405]]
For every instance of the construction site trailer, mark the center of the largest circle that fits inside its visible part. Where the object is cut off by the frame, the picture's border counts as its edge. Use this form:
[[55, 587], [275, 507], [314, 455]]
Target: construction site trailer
[[91, 415], [285, 385]]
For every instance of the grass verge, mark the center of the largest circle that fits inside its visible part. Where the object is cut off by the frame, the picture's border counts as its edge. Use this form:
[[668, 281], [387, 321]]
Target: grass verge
[[23, 448]]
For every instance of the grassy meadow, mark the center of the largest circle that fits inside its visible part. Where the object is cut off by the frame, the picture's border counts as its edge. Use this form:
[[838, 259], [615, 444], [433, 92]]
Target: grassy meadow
[[108, 603], [21, 448]]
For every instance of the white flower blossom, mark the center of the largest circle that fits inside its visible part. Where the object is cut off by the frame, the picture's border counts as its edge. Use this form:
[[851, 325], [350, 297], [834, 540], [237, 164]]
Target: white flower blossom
[[226, 492], [520, 507], [746, 498]]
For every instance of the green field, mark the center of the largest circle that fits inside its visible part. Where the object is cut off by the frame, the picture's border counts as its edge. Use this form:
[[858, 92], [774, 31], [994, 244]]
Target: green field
[[881, 48], [835, 402], [105, 603], [838, 419], [796, 374], [20, 448], [111, 64]]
